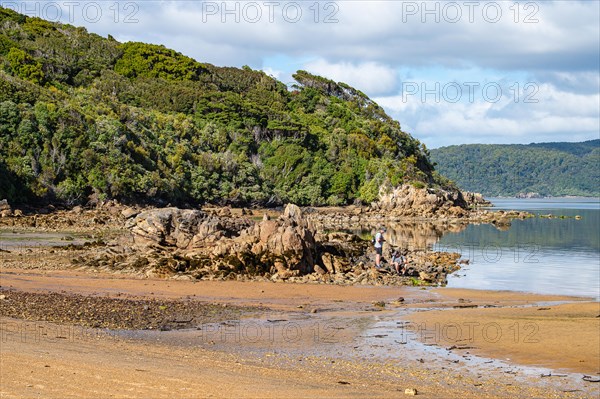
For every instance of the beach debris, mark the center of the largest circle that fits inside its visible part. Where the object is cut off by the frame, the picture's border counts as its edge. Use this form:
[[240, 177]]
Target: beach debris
[[589, 378], [464, 306], [410, 391], [543, 308], [398, 302], [343, 382], [462, 347], [379, 304]]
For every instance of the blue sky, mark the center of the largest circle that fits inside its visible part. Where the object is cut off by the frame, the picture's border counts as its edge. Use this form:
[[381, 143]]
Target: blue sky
[[452, 72]]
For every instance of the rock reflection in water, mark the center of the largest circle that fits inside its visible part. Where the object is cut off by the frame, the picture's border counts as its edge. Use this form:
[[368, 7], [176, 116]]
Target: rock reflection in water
[[410, 234]]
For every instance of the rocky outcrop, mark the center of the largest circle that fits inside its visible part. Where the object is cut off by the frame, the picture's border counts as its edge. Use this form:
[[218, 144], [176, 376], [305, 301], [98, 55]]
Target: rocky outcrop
[[185, 243], [475, 200], [285, 245], [5, 209], [529, 195], [182, 228], [411, 201]]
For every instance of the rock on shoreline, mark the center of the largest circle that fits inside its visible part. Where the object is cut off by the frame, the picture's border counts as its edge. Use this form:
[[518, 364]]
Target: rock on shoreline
[[192, 244], [311, 245]]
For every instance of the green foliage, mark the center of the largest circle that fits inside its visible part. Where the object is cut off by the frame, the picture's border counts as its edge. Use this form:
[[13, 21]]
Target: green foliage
[[25, 66], [7, 14], [550, 169], [153, 61], [83, 117], [5, 45]]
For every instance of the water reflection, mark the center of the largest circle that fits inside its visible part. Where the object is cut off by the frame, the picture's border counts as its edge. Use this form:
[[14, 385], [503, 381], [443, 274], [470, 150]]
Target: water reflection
[[548, 256], [410, 234]]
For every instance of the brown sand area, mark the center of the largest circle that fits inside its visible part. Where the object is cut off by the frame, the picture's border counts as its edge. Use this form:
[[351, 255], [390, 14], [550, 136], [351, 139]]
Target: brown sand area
[[560, 336], [98, 365]]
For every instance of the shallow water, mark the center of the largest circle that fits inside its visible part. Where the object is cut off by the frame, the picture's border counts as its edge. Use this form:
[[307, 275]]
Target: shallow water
[[547, 256]]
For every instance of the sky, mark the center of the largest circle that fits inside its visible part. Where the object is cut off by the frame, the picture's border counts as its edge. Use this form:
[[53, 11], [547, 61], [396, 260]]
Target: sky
[[451, 72]]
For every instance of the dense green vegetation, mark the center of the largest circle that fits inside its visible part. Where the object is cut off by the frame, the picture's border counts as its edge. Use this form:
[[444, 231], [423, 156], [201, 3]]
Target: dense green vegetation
[[88, 118], [550, 169]]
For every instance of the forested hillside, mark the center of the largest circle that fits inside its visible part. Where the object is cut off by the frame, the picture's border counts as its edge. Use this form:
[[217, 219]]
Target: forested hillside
[[88, 118], [550, 169]]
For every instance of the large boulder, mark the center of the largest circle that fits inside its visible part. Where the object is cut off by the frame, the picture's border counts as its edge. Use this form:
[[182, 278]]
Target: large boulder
[[181, 228], [286, 243], [475, 199], [282, 245], [4, 205], [5, 209], [408, 200]]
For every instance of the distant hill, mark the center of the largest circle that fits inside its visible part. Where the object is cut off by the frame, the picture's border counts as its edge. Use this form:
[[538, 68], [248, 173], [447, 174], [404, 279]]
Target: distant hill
[[550, 169], [84, 117]]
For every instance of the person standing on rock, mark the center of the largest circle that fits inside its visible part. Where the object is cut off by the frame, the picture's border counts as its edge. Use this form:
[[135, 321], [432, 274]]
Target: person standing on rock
[[379, 240]]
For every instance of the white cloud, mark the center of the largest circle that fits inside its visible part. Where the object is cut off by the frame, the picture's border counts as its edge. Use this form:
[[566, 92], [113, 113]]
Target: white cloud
[[369, 77], [272, 72], [377, 45], [564, 38], [556, 116]]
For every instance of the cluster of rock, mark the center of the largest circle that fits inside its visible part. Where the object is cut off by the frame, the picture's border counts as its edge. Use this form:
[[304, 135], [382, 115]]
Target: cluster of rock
[[219, 244], [178, 243], [529, 195], [475, 200], [450, 209], [7, 211], [222, 243], [410, 201], [107, 215]]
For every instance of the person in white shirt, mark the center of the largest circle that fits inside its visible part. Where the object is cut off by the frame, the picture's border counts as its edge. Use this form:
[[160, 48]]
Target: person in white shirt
[[379, 240]]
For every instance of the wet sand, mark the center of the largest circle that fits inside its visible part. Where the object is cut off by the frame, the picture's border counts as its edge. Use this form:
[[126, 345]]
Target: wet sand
[[310, 340], [558, 336]]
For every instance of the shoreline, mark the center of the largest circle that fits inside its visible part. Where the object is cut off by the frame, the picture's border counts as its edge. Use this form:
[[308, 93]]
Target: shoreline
[[200, 337], [365, 318]]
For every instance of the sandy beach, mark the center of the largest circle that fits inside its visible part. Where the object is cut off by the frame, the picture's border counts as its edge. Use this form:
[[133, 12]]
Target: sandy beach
[[300, 340]]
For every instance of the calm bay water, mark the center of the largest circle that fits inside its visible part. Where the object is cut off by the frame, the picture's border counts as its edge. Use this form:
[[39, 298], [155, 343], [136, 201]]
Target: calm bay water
[[547, 256]]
